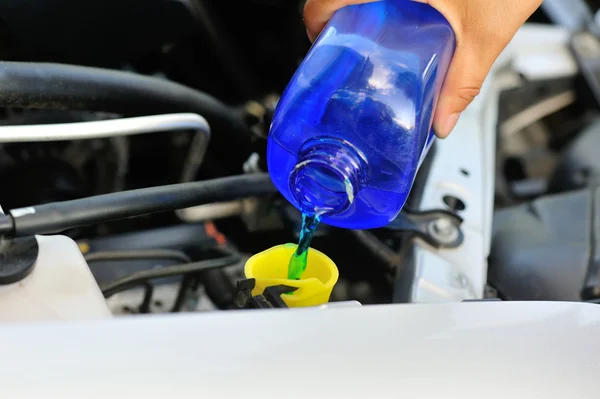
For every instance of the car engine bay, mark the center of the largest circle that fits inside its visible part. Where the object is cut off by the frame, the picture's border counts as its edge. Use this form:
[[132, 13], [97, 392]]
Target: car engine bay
[[136, 204], [143, 140]]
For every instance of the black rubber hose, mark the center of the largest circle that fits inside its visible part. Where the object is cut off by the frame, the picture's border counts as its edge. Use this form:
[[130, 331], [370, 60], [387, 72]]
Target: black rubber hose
[[140, 254], [60, 216], [136, 278], [60, 86], [218, 287]]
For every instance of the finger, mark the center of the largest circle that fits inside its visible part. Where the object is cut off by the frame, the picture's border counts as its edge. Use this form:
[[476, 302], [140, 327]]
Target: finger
[[481, 36], [463, 82], [318, 12]]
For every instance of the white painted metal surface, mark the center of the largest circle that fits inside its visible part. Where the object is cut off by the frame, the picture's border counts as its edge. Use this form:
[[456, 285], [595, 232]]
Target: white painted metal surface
[[537, 52], [453, 351], [61, 287]]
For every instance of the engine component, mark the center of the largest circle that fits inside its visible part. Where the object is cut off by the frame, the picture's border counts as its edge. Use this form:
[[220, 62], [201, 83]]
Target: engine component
[[118, 128], [257, 213], [34, 172], [61, 286], [155, 255], [579, 165], [168, 271], [56, 86], [56, 217], [585, 47], [189, 240], [37, 173], [438, 228], [541, 250], [60, 216]]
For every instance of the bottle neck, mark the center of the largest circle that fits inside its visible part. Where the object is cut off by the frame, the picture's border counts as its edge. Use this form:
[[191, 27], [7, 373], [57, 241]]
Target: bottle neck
[[328, 176]]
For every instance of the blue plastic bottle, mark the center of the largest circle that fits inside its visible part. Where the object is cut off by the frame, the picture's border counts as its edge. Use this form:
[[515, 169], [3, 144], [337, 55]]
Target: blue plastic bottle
[[354, 123]]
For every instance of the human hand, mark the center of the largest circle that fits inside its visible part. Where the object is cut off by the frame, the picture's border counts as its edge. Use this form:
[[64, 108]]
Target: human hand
[[483, 29]]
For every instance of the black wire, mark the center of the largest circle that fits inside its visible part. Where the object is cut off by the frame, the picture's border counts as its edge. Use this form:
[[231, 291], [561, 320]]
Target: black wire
[[390, 259], [60, 216], [148, 293], [186, 283], [144, 307], [162, 254], [169, 271], [60, 86]]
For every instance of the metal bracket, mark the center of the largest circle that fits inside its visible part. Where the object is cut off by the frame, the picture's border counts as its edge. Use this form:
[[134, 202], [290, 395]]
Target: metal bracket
[[438, 228]]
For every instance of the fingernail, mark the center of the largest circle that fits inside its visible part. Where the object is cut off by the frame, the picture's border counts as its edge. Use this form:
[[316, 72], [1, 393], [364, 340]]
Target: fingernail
[[449, 125]]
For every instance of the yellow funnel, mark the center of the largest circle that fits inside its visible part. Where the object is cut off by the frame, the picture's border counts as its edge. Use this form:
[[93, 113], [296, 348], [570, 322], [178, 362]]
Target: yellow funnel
[[270, 268]]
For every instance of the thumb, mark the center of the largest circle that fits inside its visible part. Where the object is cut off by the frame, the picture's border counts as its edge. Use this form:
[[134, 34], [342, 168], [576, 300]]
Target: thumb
[[463, 83]]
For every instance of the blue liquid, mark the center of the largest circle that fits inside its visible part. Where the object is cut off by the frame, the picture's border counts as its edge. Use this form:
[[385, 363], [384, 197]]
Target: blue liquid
[[298, 261], [354, 123]]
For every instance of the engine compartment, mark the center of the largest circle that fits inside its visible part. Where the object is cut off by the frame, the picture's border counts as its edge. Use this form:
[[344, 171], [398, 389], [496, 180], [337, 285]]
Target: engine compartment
[[522, 150]]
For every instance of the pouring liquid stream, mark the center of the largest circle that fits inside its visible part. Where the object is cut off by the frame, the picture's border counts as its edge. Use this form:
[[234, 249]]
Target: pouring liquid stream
[[298, 261]]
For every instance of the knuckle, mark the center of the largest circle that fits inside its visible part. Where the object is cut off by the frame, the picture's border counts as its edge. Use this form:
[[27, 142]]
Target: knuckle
[[468, 93]]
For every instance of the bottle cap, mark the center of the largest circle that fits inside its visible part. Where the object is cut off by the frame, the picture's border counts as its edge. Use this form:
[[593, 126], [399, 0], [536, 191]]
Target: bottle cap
[[270, 268]]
